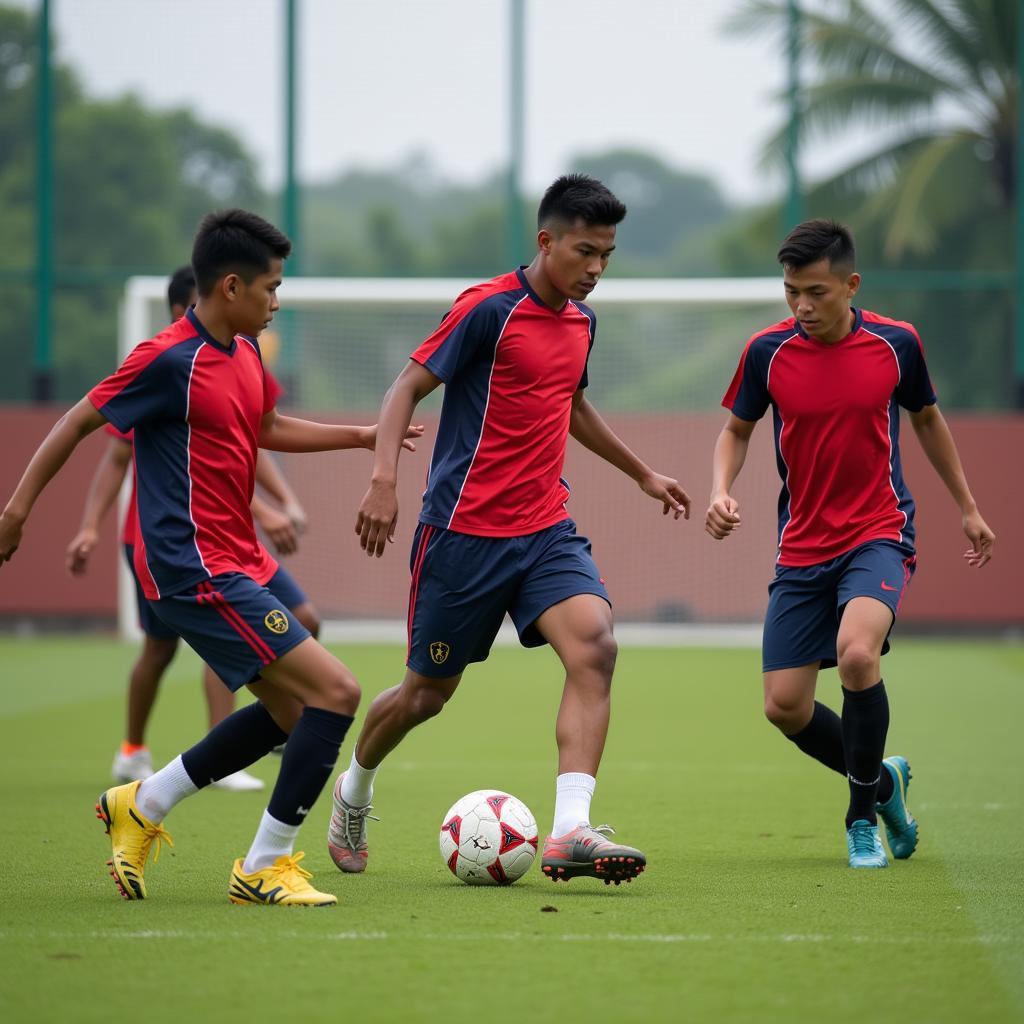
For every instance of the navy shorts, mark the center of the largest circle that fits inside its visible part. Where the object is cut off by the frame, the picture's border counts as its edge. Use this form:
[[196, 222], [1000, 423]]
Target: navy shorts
[[235, 625], [805, 603], [149, 621], [463, 585]]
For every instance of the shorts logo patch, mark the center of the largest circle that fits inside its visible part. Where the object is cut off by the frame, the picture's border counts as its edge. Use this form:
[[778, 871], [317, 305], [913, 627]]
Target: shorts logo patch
[[439, 652], [276, 621]]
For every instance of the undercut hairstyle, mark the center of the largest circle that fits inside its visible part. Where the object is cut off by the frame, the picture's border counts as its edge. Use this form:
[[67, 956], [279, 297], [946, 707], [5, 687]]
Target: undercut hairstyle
[[819, 239], [235, 242], [180, 288], [577, 197]]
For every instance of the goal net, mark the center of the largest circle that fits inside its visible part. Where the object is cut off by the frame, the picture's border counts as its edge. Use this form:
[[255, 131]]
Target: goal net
[[664, 355]]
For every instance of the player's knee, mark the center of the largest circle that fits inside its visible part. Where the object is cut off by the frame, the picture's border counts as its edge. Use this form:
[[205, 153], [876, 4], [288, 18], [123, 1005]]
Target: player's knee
[[858, 662], [599, 653], [784, 715], [425, 703], [340, 691]]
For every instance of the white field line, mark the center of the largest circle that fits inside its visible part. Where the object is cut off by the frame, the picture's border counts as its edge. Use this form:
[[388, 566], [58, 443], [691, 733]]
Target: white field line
[[669, 938]]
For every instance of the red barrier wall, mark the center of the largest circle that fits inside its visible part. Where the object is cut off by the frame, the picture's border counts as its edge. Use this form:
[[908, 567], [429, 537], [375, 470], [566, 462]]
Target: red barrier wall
[[655, 568]]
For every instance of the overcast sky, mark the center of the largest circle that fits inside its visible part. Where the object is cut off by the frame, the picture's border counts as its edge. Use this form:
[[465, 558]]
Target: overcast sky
[[382, 79]]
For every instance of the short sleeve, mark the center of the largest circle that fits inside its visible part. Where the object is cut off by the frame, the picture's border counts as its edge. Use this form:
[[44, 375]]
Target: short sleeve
[[143, 388], [120, 435], [470, 327], [747, 396], [914, 390], [592, 317]]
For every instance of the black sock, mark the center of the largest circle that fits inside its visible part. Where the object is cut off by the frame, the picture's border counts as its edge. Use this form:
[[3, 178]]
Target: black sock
[[865, 723], [822, 739], [240, 740], [307, 763]]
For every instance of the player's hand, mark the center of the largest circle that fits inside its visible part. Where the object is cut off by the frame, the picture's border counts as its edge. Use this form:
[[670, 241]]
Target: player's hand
[[666, 490], [981, 538], [297, 514], [377, 518], [410, 433], [76, 558], [10, 535], [279, 529], [723, 516]]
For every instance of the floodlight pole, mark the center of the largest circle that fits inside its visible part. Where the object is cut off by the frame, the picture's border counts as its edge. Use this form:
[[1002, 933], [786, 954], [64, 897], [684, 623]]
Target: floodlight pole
[[515, 241], [794, 199], [42, 368], [290, 197]]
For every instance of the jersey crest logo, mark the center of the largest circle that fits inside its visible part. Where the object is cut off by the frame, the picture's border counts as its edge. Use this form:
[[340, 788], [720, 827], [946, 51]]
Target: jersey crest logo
[[439, 652], [276, 621]]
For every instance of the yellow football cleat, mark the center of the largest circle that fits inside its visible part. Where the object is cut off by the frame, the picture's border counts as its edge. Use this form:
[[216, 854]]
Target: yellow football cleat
[[284, 882], [131, 837]]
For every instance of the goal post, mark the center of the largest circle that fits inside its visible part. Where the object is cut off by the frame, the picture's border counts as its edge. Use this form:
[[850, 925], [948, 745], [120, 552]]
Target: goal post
[[665, 352]]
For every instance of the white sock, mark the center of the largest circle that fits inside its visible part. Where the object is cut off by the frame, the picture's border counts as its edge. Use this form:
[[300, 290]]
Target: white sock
[[161, 791], [573, 792], [273, 839], [357, 786]]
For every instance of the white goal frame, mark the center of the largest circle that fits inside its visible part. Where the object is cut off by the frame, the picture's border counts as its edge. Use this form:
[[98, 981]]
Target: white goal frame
[[310, 292]]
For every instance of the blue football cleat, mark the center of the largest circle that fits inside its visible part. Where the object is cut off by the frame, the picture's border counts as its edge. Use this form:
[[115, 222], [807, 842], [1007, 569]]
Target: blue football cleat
[[865, 847], [900, 826]]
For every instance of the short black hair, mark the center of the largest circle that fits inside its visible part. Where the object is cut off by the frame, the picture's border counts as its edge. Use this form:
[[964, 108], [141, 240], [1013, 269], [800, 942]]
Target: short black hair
[[818, 239], [235, 242], [574, 197], [180, 287]]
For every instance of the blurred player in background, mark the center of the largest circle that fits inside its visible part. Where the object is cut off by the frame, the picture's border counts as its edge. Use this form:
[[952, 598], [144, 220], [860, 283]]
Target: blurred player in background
[[494, 535], [835, 378], [200, 405], [133, 759]]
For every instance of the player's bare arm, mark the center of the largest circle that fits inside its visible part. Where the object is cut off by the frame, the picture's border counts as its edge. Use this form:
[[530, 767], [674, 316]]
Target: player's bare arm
[[280, 530], [270, 478], [589, 428], [104, 488], [75, 425], [290, 434], [378, 511], [723, 514], [933, 432]]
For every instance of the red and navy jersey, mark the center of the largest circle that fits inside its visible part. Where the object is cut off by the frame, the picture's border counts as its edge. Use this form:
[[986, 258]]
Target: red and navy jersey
[[511, 365], [194, 407], [837, 429]]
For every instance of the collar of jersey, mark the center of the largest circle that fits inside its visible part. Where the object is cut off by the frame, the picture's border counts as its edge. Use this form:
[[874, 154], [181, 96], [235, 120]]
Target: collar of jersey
[[521, 274], [858, 320], [207, 336]]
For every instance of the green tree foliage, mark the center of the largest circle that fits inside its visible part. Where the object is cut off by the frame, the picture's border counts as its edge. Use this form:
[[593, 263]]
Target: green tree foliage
[[437, 228], [130, 186], [929, 88]]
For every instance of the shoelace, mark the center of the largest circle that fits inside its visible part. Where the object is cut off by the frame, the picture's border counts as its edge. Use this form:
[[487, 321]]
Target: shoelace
[[354, 820], [159, 834], [288, 867], [863, 840]]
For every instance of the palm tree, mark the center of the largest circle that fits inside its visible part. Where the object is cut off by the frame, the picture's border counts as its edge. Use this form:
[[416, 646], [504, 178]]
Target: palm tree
[[933, 84]]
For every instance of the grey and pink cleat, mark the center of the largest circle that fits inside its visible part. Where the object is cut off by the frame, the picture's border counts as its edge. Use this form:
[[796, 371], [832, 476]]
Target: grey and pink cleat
[[587, 851], [346, 834]]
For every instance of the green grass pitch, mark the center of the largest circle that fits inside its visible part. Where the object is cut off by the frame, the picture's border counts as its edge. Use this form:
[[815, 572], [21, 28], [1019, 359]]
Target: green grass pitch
[[747, 911]]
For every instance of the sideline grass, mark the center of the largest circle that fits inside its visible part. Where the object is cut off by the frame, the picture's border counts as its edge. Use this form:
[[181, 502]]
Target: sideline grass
[[747, 911]]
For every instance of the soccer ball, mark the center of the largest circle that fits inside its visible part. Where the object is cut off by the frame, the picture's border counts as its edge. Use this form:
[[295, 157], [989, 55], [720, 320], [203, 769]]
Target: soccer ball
[[488, 838]]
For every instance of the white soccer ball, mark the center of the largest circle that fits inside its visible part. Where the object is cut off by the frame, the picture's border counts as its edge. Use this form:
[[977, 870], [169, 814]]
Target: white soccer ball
[[488, 838]]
